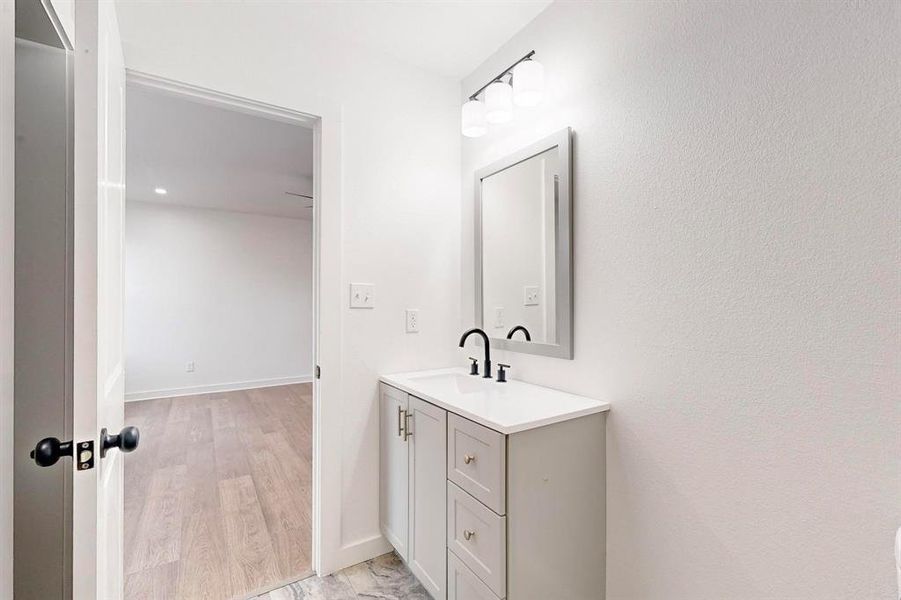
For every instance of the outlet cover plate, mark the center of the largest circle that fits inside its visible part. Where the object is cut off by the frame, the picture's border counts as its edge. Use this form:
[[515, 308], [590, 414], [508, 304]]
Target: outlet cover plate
[[530, 295], [412, 320]]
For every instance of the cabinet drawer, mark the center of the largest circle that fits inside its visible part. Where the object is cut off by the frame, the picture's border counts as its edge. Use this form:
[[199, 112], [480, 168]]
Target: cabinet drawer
[[476, 461], [462, 583], [478, 537]]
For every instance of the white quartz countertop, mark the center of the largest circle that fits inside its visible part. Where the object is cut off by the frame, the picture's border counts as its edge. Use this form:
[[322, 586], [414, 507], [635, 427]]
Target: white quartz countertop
[[505, 407]]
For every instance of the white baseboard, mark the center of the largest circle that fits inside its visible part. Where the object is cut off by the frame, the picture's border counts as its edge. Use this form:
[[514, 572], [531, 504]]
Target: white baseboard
[[216, 387]]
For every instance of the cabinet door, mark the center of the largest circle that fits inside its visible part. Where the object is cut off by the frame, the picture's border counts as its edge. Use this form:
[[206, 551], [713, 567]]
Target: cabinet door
[[393, 468], [428, 497]]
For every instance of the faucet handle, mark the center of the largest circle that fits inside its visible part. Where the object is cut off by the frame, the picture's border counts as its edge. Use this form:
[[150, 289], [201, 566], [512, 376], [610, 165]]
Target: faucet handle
[[474, 367], [501, 373]]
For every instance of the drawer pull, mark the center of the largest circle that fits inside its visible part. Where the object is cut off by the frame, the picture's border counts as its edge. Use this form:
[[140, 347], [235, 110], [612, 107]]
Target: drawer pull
[[400, 421], [468, 534], [468, 458]]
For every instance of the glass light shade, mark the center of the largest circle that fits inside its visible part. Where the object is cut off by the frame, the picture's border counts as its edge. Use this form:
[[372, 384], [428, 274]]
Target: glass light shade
[[498, 102], [473, 117], [528, 83]]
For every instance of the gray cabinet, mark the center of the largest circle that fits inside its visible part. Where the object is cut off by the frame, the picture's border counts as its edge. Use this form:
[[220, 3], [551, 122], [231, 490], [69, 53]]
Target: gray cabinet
[[493, 516]]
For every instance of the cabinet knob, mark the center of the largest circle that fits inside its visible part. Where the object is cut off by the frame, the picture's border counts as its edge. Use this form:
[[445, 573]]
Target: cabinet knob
[[468, 458], [468, 534]]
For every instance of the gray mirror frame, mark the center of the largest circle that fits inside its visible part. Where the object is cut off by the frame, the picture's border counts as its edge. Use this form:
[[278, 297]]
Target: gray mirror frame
[[564, 282]]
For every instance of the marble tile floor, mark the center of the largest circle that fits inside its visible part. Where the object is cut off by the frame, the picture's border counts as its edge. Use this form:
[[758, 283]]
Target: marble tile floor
[[385, 577]]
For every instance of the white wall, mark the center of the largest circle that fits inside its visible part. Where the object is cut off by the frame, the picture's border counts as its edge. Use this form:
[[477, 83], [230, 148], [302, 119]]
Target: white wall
[[400, 191], [230, 292], [736, 273]]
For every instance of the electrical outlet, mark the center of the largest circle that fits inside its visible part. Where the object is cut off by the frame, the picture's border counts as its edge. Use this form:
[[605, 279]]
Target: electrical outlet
[[530, 295], [499, 317], [189, 367], [362, 295], [412, 320]]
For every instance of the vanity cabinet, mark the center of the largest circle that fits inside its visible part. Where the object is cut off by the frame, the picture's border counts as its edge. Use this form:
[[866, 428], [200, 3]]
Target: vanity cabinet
[[495, 515]]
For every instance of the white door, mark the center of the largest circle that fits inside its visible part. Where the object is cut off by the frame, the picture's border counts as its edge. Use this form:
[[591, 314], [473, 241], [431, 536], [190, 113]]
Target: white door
[[427, 551], [98, 373], [393, 465]]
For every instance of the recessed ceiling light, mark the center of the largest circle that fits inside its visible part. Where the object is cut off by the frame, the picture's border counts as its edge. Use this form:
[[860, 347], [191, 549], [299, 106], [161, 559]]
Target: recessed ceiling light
[[160, 191]]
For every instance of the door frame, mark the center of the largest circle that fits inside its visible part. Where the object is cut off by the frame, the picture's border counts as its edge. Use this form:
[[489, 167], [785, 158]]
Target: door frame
[[326, 298]]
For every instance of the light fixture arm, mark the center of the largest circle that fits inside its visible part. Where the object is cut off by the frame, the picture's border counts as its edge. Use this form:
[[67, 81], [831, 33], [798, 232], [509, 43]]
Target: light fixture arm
[[507, 71]]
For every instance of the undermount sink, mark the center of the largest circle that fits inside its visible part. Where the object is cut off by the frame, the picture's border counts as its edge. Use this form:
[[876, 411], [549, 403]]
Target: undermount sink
[[464, 384]]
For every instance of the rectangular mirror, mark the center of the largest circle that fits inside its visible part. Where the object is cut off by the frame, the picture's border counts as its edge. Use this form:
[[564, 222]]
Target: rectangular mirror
[[523, 252]]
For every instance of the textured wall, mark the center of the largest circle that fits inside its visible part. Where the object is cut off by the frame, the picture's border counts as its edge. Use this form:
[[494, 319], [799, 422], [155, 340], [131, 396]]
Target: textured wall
[[736, 284]]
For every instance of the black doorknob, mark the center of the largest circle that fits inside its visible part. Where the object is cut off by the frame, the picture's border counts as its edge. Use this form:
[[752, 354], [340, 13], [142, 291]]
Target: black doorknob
[[49, 450], [126, 440]]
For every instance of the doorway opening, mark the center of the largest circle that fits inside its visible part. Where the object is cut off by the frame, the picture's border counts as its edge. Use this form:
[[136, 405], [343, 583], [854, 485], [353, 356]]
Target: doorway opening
[[219, 335]]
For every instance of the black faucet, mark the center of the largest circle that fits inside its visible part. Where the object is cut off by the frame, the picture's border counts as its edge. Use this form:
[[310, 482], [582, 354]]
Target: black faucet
[[519, 328], [485, 341]]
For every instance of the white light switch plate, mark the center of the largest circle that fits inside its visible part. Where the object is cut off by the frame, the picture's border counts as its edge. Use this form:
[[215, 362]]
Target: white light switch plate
[[499, 316], [412, 320], [530, 295], [362, 295]]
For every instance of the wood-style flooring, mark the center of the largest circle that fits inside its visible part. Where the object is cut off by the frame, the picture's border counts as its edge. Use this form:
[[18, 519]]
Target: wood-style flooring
[[218, 495]]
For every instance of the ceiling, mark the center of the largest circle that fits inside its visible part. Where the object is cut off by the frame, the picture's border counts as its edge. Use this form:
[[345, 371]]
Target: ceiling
[[211, 157], [447, 37]]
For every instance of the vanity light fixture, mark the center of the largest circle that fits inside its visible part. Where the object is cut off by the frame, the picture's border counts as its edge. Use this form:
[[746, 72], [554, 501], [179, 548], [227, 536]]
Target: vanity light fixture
[[161, 191], [499, 102], [474, 123], [524, 86], [528, 83]]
